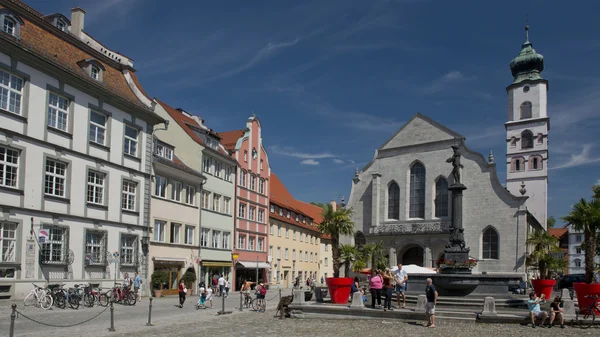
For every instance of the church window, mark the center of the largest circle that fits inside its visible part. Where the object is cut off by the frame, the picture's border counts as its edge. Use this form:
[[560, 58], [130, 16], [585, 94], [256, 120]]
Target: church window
[[527, 140], [535, 163], [513, 141], [394, 201], [441, 198], [490, 244], [526, 88], [526, 110], [517, 165], [540, 138], [417, 191]]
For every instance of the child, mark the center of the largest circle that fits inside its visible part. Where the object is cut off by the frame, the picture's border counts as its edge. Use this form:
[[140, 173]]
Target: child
[[209, 294]]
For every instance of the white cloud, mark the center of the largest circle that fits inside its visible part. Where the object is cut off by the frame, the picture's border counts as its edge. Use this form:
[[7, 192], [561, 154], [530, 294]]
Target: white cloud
[[577, 159], [338, 161], [291, 152], [357, 120], [445, 82], [309, 162]]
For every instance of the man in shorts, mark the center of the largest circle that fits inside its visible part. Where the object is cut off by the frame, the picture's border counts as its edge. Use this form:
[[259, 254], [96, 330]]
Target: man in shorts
[[432, 296], [400, 277], [534, 309], [137, 283]]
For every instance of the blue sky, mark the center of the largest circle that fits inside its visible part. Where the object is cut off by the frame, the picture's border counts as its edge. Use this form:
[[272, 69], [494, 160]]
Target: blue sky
[[332, 80]]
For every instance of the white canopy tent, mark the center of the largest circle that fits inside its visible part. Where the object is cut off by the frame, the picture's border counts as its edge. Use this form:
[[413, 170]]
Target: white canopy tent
[[414, 269]]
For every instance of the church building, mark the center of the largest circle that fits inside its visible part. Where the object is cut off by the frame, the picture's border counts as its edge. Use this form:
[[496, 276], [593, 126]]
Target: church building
[[401, 197]]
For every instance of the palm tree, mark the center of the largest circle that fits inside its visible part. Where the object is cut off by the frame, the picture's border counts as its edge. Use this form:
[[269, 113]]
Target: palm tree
[[585, 217], [375, 253], [348, 254], [541, 257], [335, 223]]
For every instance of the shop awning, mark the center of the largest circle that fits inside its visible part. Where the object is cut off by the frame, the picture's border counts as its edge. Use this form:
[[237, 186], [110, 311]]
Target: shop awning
[[216, 263], [169, 259], [252, 265]]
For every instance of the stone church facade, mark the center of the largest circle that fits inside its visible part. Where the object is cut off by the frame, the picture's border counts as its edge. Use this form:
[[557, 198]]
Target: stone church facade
[[401, 197]]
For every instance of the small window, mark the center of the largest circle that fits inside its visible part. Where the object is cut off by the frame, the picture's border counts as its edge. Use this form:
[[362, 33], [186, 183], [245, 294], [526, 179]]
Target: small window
[[97, 128], [204, 238], [8, 241], [160, 186], [490, 244], [245, 155], [95, 73], [517, 165], [526, 110], [129, 195], [9, 167], [261, 186], [129, 247], [513, 141], [57, 112], [61, 25], [95, 247], [55, 178], [188, 238], [11, 92], [56, 246], [95, 187], [163, 150], [216, 203], [577, 263], [176, 188], [527, 140], [226, 240], [130, 141], [9, 26]]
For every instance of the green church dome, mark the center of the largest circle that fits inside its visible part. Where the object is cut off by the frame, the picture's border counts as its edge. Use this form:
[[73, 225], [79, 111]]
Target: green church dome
[[528, 64]]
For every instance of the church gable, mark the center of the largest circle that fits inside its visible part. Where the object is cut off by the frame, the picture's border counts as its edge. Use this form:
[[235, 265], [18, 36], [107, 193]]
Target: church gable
[[420, 130]]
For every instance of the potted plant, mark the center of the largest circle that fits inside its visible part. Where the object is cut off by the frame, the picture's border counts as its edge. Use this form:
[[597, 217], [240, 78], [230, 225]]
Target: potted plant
[[337, 222], [189, 277], [542, 259], [159, 277], [585, 217]]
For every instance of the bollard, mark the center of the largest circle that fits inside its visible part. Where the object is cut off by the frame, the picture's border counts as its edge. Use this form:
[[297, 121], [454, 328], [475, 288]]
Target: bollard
[[223, 304], [241, 300], [281, 310], [112, 316], [13, 315], [150, 313], [279, 295]]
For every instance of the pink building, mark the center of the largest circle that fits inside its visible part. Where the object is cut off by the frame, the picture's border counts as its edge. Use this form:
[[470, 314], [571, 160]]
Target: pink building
[[252, 202]]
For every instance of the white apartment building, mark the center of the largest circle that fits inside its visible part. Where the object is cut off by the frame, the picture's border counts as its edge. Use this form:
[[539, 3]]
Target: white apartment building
[[576, 252], [199, 148], [74, 155]]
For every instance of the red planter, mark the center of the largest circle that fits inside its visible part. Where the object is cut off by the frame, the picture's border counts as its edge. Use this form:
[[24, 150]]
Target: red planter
[[582, 290], [543, 287], [339, 289]]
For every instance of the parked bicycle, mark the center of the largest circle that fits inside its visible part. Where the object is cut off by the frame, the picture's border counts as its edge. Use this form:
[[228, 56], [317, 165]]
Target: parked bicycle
[[39, 296], [123, 295], [586, 316], [259, 304], [59, 295]]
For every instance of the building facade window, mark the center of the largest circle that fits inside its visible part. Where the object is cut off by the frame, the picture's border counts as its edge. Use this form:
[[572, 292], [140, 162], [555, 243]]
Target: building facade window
[[95, 187], [279, 230], [394, 201], [189, 235], [227, 205], [535, 163], [55, 177], [11, 91], [251, 243], [577, 263], [226, 236], [163, 150], [241, 242], [252, 182], [204, 237], [190, 195], [300, 256], [130, 141], [270, 250], [55, 249], [518, 165], [129, 246], [287, 254], [8, 241], [216, 203], [206, 162], [527, 140], [9, 167], [159, 230], [128, 195], [490, 244], [242, 211], [578, 238], [176, 188], [218, 168], [175, 232], [441, 198], [417, 191], [261, 186], [216, 237], [9, 26], [577, 250], [526, 110], [97, 128], [272, 208], [58, 112], [206, 199], [251, 212], [160, 186], [95, 73], [243, 178], [261, 216], [260, 245], [228, 173]]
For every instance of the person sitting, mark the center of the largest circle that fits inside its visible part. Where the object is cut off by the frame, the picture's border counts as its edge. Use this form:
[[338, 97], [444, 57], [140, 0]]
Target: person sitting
[[557, 312], [534, 309]]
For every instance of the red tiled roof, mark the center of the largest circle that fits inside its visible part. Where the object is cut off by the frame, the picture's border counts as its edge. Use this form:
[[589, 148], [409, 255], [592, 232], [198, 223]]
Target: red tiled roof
[[558, 232], [229, 138], [281, 197], [184, 121], [41, 38], [315, 213]]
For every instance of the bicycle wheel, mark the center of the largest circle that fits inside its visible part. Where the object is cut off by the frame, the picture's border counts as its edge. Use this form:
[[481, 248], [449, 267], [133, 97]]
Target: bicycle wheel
[[103, 299], [74, 301], [88, 300], [59, 300], [46, 301], [29, 300], [255, 304], [131, 299], [586, 319]]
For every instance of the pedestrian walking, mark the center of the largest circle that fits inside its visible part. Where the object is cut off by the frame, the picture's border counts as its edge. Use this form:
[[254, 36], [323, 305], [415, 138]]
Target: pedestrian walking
[[388, 289], [221, 282], [400, 277], [182, 291], [209, 296], [375, 286], [227, 287], [432, 296], [137, 283]]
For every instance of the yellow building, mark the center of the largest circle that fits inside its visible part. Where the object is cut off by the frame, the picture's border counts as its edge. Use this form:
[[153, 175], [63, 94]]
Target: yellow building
[[294, 239]]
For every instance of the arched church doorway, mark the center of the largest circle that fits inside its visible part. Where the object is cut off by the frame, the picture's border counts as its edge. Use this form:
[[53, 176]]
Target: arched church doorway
[[412, 255]]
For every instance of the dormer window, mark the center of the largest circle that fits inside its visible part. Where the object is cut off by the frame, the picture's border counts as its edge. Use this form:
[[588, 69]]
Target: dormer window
[[212, 142], [163, 150], [59, 21], [11, 24], [94, 68], [61, 25]]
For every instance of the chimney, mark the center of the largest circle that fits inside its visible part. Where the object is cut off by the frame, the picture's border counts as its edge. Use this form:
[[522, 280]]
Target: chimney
[[77, 20], [334, 205]]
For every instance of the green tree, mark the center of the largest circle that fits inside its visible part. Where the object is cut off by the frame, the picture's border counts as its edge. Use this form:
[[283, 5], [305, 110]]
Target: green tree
[[541, 258], [335, 223], [585, 217], [375, 253], [318, 204], [348, 255], [551, 222]]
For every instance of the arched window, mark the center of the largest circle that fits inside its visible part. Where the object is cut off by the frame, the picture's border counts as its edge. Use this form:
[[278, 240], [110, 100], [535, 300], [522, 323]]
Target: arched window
[[526, 110], [535, 163], [417, 191], [441, 198], [527, 140], [513, 141], [490, 244], [11, 23], [577, 262], [517, 165], [394, 201]]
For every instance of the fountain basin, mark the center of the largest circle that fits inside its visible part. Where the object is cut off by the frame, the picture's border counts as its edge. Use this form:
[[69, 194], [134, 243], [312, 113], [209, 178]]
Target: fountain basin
[[496, 285]]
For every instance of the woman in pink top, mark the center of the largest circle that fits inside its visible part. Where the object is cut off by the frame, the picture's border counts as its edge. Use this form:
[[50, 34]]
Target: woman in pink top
[[375, 285]]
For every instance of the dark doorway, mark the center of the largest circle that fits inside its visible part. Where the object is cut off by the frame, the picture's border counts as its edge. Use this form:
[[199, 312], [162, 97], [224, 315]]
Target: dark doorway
[[413, 255]]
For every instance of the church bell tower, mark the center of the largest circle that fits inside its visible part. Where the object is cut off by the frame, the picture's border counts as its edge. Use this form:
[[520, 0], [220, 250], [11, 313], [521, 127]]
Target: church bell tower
[[527, 131]]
